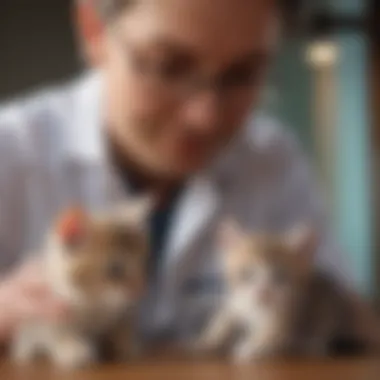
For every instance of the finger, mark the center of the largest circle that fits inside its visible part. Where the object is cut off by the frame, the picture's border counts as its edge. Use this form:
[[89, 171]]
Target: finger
[[56, 310], [25, 309], [59, 313], [16, 275], [34, 277], [40, 308], [32, 265], [22, 278], [35, 288]]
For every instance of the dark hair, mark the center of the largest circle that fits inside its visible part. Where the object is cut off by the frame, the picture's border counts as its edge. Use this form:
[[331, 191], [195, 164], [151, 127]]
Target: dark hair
[[294, 14], [291, 10]]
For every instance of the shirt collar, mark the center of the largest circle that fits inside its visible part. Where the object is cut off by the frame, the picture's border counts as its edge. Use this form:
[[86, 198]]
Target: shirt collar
[[87, 139]]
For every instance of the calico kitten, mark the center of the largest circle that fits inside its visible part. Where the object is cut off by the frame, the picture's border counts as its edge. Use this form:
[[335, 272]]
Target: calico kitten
[[96, 263], [280, 303]]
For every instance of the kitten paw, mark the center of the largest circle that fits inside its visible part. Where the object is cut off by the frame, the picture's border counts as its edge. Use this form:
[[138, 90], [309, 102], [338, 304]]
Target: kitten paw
[[317, 349], [242, 354], [206, 344], [22, 353], [195, 347], [135, 351], [74, 354], [131, 351], [26, 345], [245, 353]]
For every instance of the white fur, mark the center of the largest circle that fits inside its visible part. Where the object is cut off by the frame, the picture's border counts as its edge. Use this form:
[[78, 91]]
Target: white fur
[[69, 345], [264, 326]]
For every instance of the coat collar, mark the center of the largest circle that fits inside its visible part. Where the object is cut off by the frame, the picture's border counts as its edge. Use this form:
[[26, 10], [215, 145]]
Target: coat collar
[[86, 139]]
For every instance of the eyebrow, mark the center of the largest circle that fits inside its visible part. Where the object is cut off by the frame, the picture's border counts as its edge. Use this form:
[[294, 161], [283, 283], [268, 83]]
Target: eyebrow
[[257, 55], [175, 47], [254, 57]]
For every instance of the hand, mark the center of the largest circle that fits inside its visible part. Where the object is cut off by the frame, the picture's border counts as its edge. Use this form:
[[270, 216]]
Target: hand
[[24, 295]]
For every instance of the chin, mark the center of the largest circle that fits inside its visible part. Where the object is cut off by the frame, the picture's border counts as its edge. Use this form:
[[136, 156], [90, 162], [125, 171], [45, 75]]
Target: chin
[[190, 164], [183, 172], [177, 168], [176, 174]]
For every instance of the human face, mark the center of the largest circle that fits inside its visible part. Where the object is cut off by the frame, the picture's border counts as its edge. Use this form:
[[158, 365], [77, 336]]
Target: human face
[[181, 77]]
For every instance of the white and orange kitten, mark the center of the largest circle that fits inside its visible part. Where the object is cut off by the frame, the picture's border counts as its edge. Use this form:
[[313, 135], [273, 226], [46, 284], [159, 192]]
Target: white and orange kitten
[[96, 263], [279, 302]]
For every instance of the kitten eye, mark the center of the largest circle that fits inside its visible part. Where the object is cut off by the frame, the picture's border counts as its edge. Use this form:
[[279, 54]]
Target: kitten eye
[[280, 277], [115, 271]]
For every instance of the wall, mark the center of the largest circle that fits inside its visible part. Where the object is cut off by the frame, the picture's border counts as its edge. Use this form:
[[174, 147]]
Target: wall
[[36, 45], [351, 149], [353, 217], [293, 80]]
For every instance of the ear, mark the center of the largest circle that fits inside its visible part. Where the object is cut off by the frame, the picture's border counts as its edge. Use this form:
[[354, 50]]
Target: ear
[[72, 227], [229, 233], [91, 31]]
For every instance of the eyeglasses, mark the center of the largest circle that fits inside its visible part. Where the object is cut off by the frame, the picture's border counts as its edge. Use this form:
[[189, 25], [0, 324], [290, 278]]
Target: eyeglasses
[[178, 81]]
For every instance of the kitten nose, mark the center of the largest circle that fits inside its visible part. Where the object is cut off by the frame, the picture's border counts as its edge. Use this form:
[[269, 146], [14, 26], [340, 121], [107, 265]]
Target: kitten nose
[[265, 297], [135, 286], [139, 286], [116, 271]]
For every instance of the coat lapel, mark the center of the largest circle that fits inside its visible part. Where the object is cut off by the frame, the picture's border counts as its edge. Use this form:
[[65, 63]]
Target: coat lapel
[[196, 208]]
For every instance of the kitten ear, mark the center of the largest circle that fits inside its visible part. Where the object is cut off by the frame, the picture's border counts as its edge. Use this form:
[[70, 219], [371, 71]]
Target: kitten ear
[[229, 233], [301, 238], [72, 227]]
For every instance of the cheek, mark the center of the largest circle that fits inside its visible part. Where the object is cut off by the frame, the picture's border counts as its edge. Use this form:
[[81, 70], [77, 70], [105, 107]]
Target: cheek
[[146, 109], [251, 292], [134, 281], [235, 115], [283, 294], [242, 104], [81, 273], [132, 102]]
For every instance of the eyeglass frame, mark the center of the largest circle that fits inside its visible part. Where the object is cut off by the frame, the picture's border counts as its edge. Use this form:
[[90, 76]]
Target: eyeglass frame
[[194, 82]]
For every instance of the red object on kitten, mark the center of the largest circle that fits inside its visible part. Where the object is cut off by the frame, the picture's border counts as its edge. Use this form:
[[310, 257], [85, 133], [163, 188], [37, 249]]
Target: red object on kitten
[[72, 225]]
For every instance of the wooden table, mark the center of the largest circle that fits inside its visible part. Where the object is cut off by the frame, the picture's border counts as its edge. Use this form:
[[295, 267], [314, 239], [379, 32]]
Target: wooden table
[[180, 369]]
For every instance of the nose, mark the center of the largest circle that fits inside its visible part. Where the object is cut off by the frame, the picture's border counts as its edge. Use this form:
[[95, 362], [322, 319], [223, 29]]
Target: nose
[[202, 111]]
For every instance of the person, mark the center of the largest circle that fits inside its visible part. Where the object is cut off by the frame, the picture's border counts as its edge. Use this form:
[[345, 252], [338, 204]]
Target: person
[[167, 106]]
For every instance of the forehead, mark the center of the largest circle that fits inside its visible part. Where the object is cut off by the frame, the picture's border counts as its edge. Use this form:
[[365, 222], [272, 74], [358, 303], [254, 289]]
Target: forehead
[[219, 31]]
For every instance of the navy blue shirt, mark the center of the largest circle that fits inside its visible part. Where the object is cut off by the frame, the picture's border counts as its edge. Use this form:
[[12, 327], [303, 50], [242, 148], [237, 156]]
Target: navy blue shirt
[[159, 223]]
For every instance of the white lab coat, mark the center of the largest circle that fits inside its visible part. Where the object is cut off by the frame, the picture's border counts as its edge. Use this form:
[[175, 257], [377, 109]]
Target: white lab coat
[[52, 155]]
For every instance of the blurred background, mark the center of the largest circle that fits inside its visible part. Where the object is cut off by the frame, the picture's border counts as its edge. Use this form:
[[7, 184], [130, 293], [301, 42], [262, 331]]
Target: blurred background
[[325, 85]]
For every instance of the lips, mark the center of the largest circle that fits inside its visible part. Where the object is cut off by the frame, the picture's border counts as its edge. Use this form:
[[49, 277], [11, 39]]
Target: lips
[[191, 148]]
